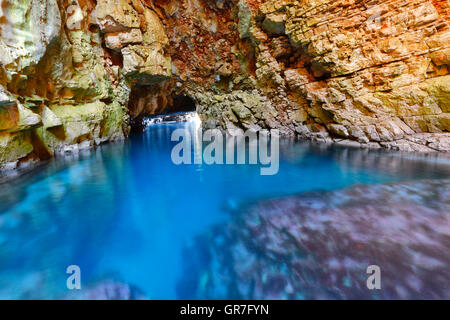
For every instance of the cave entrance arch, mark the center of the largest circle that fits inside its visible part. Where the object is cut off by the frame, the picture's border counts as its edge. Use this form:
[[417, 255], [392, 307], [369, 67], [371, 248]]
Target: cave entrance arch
[[181, 103], [152, 102]]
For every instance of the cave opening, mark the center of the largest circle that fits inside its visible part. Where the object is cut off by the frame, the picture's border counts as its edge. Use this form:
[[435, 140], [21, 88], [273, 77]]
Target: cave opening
[[181, 103], [147, 106]]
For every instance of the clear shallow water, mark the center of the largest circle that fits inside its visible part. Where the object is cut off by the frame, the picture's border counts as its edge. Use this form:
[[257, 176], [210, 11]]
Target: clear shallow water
[[125, 213]]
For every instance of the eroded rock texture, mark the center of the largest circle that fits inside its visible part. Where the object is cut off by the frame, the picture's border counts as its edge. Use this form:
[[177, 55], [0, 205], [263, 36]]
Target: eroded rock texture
[[74, 72], [375, 72], [57, 91]]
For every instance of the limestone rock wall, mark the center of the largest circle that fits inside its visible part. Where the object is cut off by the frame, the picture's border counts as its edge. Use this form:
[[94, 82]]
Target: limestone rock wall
[[56, 92], [66, 72], [370, 73], [73, 73]]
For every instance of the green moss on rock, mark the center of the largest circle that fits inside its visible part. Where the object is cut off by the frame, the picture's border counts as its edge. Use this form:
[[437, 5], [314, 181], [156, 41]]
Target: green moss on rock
[[13, 147]]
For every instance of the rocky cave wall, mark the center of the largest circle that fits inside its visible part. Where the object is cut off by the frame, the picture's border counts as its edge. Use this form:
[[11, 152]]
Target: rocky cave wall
[[364, 73], [370, 73]]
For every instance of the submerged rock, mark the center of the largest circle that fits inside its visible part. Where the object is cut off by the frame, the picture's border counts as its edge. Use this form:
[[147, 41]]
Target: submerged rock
[[319, 245], [108, 290]]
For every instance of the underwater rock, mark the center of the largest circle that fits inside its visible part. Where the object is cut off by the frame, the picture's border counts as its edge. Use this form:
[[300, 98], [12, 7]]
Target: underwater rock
[[318, 245], [109, 290]]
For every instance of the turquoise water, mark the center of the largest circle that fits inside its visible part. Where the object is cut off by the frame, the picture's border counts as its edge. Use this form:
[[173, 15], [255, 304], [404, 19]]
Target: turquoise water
[[125, 212]]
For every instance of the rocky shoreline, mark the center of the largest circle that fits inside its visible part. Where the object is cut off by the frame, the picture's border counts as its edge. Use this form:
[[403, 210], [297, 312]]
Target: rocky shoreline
[[422, 143]]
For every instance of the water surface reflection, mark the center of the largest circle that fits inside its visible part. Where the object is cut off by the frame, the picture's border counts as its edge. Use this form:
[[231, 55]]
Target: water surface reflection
[[128, 216]]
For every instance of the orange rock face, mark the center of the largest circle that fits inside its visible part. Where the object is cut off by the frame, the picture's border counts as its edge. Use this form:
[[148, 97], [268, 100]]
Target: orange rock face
[[378, 72], [334, 71]]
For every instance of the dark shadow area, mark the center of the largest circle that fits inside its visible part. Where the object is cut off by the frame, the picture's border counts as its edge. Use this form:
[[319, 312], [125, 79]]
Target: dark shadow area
[[181, 104]]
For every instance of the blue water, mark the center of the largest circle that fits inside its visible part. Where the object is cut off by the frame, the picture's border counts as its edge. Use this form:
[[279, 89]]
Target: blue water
[[125, 212]]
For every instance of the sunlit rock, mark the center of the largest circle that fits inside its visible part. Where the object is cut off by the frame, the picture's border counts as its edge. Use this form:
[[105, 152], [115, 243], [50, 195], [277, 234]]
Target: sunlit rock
[[375, 74]]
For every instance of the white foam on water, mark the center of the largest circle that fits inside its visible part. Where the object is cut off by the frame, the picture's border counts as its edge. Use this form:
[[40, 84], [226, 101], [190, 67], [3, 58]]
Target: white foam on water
[[191, 116]]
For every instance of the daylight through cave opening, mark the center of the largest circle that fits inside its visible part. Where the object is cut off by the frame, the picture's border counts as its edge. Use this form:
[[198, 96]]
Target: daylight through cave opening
[[158, 100]]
